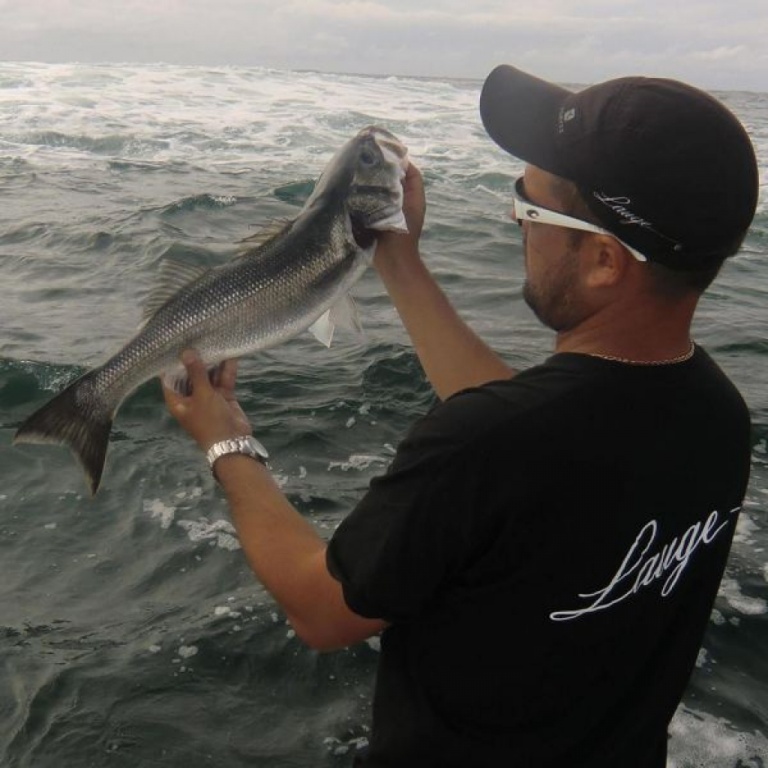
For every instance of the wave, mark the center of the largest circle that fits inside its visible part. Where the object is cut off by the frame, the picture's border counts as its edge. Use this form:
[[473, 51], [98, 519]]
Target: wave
[[149, 166], [203, 201], [277, 383], [12, 164], [295, 192], [24, 381], [99, 145], [25, 385]]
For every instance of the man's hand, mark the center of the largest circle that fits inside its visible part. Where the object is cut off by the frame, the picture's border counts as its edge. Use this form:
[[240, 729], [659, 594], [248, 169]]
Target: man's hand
[[390, 244], [282, 547], [211, 413]]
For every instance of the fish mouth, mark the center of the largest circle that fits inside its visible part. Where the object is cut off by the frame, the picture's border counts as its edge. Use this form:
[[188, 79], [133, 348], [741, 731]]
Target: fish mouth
[[364, 236], [386, 141], [367, 228]]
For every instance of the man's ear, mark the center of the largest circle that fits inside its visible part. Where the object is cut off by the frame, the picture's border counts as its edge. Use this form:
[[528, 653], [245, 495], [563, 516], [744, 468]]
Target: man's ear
[[604, 260]]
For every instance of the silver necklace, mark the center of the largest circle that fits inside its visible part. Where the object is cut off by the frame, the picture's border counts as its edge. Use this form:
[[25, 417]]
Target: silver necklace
[[687, 355]]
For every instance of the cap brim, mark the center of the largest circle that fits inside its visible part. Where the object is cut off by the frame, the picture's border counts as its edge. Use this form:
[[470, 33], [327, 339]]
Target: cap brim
[[520, 113]]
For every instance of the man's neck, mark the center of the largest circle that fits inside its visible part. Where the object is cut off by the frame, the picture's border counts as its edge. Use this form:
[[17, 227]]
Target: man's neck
[[640, 333]]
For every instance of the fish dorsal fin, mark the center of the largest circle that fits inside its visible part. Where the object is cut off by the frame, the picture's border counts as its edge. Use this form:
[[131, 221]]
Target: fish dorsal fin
[[343, 313], [173, 276], [267, 233]]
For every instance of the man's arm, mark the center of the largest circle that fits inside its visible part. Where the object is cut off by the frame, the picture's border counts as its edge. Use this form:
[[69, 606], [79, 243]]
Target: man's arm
[[281, 546], [451, 353]]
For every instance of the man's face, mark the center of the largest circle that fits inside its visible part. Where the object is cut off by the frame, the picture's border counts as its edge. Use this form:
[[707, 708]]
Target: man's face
[[553, 287]]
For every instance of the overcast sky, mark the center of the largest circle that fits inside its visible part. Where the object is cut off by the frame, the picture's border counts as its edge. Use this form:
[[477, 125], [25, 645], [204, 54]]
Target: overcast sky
[[719, 44]]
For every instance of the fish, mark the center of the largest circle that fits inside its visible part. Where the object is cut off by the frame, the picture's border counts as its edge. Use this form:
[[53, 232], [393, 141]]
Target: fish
[[296, 277]]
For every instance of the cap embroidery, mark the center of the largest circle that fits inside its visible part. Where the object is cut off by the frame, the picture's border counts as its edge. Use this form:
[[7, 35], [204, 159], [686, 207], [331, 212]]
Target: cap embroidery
[[619, 205], [565, 116]]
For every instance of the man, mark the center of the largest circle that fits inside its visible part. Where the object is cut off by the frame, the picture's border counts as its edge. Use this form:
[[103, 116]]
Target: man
[[544, 552]]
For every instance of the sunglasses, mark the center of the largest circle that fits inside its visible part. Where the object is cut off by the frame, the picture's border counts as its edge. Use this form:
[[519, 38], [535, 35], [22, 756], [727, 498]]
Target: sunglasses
[[524, 210]]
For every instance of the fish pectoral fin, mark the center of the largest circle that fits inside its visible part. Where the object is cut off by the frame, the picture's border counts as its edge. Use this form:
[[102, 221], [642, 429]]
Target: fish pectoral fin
[[322, 329], [346, 314], [173, 276]]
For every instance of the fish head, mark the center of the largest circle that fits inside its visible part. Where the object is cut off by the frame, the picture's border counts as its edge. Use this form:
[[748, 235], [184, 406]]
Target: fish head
[[365, 176]]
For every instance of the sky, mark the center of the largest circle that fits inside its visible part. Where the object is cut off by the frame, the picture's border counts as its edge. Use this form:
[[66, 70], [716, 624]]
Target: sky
[[721, 45]]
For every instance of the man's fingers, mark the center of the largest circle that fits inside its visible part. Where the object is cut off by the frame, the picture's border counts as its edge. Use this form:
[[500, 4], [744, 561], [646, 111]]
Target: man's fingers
[[173, 400], [228, 375], [196, 370], [214, 375], [413, 177], [223, 376]]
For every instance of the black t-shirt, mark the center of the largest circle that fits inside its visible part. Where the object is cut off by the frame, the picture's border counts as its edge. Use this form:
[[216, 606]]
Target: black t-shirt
[[548, 549]]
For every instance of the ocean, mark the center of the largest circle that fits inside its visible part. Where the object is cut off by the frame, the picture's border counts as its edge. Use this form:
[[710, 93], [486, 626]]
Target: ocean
[[132, 633]]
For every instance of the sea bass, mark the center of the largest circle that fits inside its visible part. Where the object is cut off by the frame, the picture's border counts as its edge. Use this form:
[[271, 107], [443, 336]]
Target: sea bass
[[296, 279]]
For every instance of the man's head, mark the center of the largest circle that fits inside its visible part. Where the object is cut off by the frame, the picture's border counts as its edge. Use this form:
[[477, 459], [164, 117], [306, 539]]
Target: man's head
[[570, 273], [664, 167]]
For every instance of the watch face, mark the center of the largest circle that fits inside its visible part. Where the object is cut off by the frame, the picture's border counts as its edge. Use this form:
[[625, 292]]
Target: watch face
[[258, 449]]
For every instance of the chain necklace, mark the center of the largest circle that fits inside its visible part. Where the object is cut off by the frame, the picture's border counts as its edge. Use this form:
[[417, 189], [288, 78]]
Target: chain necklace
[[687, 355]]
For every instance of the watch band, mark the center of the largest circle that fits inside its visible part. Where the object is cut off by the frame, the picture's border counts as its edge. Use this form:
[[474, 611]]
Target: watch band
[[246, 445]]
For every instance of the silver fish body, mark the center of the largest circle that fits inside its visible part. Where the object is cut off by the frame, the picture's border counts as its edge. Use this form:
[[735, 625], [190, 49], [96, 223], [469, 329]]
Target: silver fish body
[[297, 279]]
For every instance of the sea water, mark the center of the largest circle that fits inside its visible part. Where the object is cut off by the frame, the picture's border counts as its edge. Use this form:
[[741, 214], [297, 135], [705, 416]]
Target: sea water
[[132, 633]]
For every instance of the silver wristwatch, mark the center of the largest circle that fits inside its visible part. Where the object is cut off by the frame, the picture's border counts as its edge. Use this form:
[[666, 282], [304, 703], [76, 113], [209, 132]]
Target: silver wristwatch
[[247, 445]]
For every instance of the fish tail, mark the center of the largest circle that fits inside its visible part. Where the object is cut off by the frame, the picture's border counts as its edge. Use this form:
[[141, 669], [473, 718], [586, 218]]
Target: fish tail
[[79, 418]]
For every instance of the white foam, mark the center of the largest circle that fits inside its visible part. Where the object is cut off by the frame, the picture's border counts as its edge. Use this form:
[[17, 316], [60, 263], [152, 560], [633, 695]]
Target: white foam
[[717, 618], [159, 510], [700, 740], [339, 748], [746, 528], [281, 480], [374, 643], [358, 461], [187, 651], [749, 606], [219, 533]]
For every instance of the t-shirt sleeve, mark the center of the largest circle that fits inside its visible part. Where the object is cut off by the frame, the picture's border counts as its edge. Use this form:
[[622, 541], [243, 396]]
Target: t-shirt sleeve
[[412, 531]]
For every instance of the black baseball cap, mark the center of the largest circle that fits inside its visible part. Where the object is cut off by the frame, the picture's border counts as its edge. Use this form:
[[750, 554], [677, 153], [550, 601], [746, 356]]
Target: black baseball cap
[[665, 167]]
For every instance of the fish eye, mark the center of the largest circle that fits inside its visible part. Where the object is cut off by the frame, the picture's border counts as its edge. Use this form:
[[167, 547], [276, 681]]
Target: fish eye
[[368, 157]]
